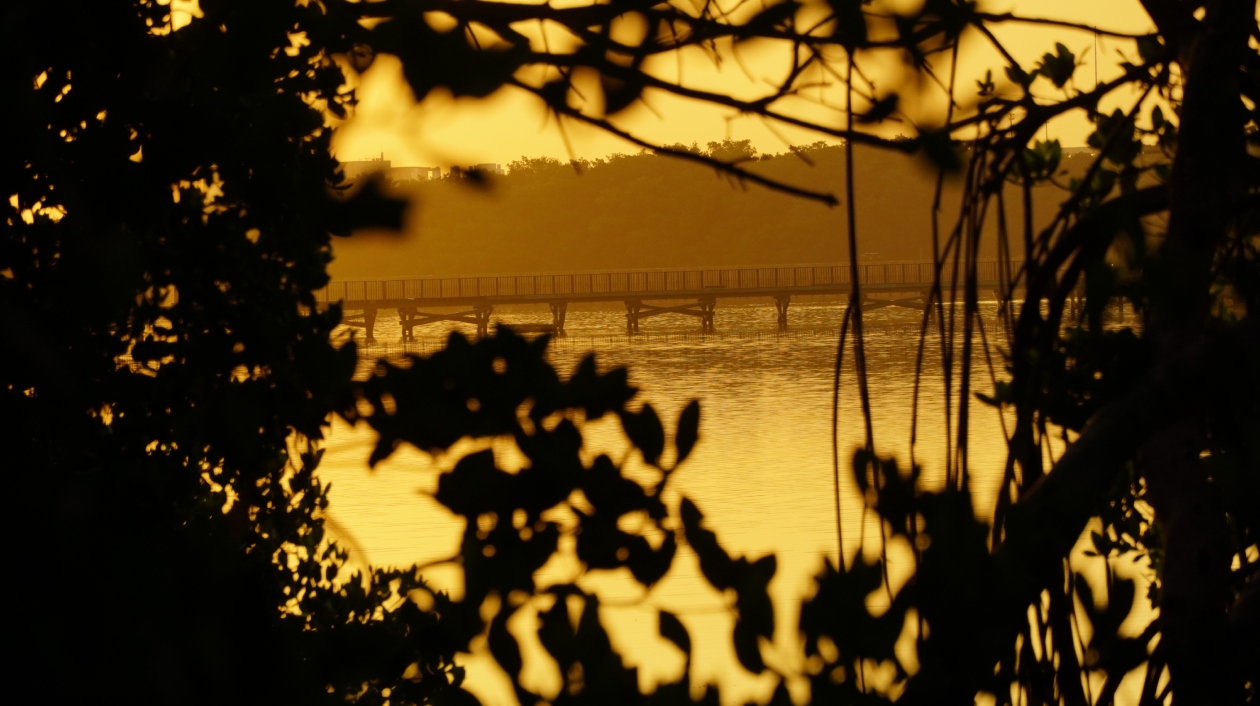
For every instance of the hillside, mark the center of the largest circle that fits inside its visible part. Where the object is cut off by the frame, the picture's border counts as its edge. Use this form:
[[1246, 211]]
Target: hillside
[[647, 211]]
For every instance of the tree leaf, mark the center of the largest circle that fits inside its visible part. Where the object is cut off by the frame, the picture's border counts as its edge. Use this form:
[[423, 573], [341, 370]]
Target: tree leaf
[[475, 485], [673, 630], [688, 432], [781, 696], [715, 563], [880, 110], [1150, 48], [773, 17], [620, 94], [368, 207], [1058, 67], [646, 432], [941, 150], [985, 87], [747, 649], [753, 598], [648, 566], [850, 22], [502, 645], [1018, 75]]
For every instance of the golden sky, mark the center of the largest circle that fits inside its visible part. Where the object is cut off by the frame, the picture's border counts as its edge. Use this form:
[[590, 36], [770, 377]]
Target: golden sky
[[441, 131]]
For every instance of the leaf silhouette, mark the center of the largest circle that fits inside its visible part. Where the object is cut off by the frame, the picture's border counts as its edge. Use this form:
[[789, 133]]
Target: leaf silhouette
[[688, 431], [715, 563], [502, 645], [1058, 67], [646, 432], [747, 649], [673, 630], [883, 108]]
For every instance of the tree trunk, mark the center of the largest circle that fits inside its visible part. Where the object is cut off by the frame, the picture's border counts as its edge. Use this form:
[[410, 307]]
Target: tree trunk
[[1205, 185]]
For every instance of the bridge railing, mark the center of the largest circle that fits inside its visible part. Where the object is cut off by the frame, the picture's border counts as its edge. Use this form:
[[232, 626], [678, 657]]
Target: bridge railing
[[638, 282]]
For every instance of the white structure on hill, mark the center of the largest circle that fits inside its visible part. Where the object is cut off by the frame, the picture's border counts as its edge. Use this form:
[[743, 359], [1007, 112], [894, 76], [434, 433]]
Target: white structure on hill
[[357, 169], [401, 174]]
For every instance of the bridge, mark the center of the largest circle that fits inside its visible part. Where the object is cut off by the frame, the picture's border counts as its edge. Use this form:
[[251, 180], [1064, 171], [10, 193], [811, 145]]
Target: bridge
[[645, 293]]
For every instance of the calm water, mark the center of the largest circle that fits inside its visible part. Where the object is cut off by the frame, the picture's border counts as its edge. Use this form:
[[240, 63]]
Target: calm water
[[762, 472]]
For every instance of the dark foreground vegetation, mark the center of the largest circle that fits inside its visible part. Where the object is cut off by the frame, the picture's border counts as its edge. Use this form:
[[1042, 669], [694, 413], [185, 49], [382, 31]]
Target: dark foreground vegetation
[[167, 376]]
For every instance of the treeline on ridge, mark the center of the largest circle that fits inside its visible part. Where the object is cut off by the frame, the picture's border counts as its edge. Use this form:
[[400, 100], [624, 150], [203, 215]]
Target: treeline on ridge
[[646, 211]]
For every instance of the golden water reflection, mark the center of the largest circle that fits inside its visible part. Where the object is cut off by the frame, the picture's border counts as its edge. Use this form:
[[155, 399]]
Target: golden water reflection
[[762, 474]]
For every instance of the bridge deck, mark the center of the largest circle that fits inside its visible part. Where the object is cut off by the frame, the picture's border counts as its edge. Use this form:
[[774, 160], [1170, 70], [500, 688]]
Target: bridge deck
[[642, 285], [703, 287]]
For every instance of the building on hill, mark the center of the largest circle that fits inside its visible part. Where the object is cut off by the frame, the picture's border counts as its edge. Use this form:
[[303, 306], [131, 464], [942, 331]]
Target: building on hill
[[402, 174], [356, 169]]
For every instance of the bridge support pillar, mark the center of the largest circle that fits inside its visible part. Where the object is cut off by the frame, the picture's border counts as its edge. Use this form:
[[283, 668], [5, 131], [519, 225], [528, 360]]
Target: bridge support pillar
[[558, 311], [703, 309], [407, 321], [781, 302], [366, 320], [1001, 304], [369, 325], [633, 307], [707, 306], [1076, 299], [410, 317], [481, 312]]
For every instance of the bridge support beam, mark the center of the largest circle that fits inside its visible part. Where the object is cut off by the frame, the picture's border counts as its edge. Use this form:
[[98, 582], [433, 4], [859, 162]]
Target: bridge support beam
[[482, 314], [915, 302], [636, 311], [707, 307], [406, 321], [409, 318], [781, 302], [558, 311], [365, 320], [632, 316]]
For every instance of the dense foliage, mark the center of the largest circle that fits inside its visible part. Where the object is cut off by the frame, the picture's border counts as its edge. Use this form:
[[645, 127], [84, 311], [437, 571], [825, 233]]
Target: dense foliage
[[167, 223], [167, 374]]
